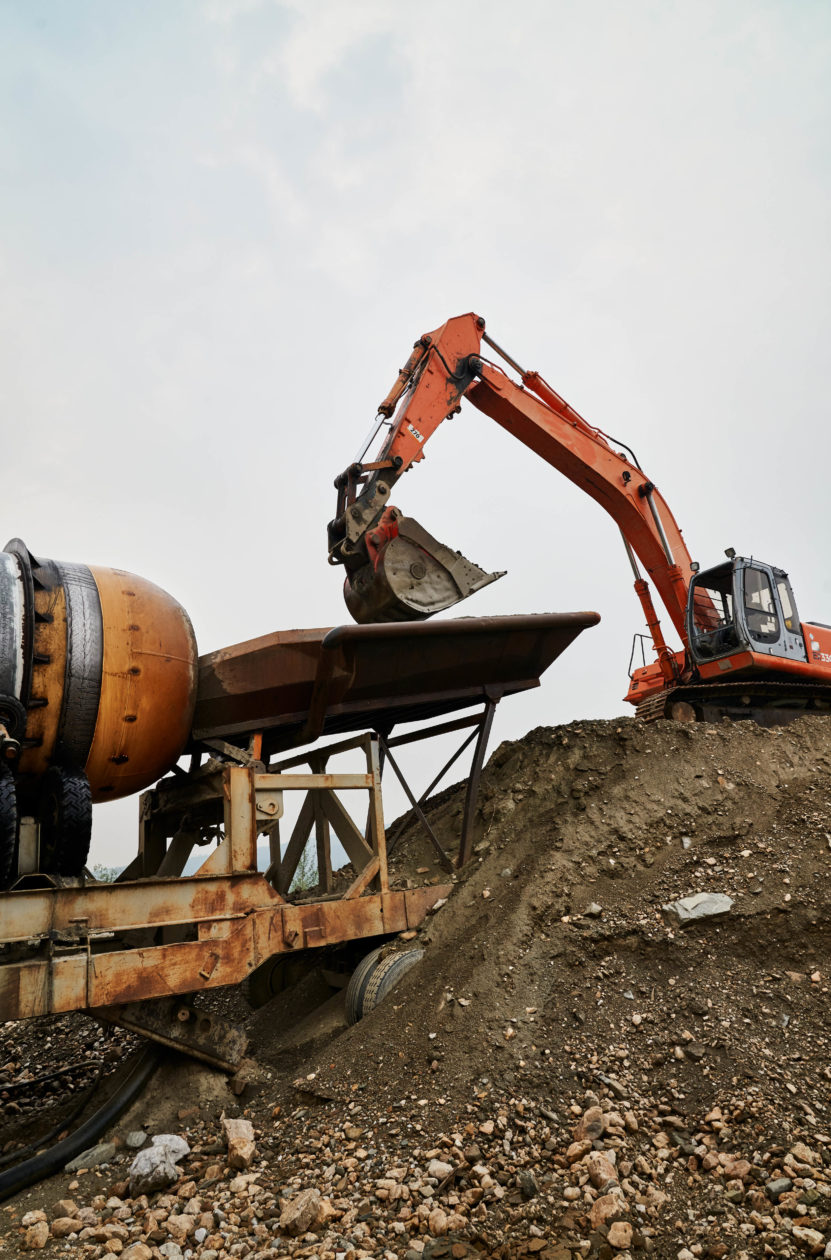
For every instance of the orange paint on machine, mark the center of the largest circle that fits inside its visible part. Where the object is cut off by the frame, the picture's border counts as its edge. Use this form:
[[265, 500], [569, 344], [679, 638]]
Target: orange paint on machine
[[98, 672], [744, 652]]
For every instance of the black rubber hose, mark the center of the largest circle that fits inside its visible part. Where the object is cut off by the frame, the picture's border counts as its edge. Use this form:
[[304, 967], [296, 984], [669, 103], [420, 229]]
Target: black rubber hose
[[83, 1103], [53, 1160]]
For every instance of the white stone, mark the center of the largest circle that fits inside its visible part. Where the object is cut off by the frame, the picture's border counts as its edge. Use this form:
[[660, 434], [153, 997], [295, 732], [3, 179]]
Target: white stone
[[155, 1166], [701, 906]]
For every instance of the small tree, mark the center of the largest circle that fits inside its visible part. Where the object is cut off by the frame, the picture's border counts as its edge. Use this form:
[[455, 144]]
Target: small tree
[[306, 874], [106, 874]]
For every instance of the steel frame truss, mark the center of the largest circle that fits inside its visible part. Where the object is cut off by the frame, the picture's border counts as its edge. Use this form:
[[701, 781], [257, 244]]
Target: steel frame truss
[[157, 933]]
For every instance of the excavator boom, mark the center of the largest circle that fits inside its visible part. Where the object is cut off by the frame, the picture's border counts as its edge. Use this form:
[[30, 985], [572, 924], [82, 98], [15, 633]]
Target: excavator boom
[[745, 653], [396, 570]]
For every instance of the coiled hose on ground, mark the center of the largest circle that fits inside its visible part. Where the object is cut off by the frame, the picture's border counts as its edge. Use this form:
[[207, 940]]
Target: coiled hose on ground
[[48, 1162]]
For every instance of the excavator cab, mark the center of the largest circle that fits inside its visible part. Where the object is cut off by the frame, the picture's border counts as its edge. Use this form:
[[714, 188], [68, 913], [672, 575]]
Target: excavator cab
[[743, 606]]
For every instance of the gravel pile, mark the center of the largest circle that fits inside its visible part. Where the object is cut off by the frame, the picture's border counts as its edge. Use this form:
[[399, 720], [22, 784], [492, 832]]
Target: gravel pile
[[573, 1070]]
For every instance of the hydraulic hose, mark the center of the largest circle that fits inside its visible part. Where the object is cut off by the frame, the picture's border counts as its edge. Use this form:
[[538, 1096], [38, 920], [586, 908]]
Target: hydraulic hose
[[51, 1161]]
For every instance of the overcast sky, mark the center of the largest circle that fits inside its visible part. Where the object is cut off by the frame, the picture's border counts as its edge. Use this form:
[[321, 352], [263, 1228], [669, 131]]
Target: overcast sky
[[225, 222]]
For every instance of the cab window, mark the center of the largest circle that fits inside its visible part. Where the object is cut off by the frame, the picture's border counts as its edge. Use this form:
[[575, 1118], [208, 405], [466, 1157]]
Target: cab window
[[787, 605], [760, 607], [712, 627]]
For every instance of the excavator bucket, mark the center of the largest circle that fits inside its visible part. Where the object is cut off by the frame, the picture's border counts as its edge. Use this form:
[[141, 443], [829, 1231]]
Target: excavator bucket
[[413, 577]]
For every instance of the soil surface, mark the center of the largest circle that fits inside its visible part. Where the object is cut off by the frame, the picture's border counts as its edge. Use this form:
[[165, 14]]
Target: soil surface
[[567, 1072]]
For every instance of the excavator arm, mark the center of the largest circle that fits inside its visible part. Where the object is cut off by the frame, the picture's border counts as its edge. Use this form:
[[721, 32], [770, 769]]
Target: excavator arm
[[395, 569], [562, 438]]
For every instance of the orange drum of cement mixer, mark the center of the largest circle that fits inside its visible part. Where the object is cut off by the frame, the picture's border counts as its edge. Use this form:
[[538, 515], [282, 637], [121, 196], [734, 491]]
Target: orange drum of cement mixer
[[97, 670], [148, 685]]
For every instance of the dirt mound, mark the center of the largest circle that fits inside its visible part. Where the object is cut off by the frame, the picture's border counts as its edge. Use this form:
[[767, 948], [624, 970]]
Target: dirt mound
[[568, 1072], [554, 980], [584, 833]]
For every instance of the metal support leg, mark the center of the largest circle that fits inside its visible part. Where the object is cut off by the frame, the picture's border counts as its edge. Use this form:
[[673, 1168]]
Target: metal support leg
[[419, 812], [381, 754], [436, 781], [466, 845], [375, 748], [323, 844]]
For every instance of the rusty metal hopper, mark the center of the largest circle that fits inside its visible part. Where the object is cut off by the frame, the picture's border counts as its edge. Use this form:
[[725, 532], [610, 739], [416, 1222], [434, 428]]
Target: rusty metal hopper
[[296, 685]]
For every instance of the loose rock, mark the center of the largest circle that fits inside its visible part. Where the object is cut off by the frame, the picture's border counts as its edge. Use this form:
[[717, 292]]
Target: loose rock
[[155, 1166], [239, 1136], [701, 906], [620, 1234], [37, 1236], [300, 1214], [100, 1154]]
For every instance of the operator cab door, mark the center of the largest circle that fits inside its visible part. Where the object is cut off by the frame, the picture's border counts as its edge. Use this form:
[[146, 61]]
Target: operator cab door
[[769, 610], [743, 606]]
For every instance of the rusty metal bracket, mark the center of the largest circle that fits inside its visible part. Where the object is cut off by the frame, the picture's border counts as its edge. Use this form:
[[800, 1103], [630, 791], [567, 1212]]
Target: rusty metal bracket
[[240, 756], [180, 1025]]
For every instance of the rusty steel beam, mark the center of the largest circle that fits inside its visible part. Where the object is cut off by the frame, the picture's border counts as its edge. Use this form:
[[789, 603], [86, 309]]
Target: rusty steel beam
[[80, 980], [175, 1023], [306, 782], [78, 911]]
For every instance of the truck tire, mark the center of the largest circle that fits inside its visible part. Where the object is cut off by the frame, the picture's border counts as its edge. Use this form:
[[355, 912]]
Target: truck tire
[[13, 716], [357, 985], [8, 828], [65, 821], [374, 978]]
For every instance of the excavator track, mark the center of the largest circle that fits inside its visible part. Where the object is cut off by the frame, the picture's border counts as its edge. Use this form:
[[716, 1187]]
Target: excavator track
[[765, 702]]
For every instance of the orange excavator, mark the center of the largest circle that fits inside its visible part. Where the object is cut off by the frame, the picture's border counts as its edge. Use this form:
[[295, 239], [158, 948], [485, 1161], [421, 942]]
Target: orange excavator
[[745, 653]]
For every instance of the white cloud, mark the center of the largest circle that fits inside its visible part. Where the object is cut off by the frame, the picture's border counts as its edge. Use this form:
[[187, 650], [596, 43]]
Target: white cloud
[[321, 35]]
